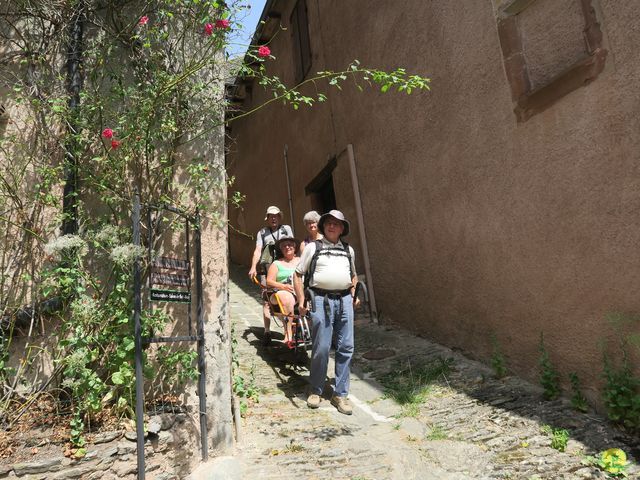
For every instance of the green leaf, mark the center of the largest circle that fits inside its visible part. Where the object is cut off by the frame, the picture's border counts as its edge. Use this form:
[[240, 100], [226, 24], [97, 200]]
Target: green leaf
[[117, 378]]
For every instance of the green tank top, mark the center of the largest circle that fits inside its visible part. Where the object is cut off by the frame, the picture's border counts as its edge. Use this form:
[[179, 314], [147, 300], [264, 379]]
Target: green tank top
[[284, 273]]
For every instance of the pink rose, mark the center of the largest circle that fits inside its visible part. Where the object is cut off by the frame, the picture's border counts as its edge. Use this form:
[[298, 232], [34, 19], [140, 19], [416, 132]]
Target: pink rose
[[107, 133], [208, 29], [115, 144], [222, 23], [264, 51], [143, 20]]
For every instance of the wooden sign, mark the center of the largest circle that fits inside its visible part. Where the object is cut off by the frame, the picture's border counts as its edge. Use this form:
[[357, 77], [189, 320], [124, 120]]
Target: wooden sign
[[171, 263], [174, 280]]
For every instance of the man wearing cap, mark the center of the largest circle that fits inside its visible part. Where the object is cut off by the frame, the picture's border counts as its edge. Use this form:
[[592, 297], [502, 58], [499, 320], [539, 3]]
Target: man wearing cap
[[268, 236], [331, 279]]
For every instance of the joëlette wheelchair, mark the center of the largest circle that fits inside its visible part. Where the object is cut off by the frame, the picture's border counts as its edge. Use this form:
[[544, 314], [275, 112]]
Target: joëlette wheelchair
[[300, 324], [300, 332]]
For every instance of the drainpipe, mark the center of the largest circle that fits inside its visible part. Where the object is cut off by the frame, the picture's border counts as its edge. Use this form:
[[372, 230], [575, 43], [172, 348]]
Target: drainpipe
[[74, 84], [363, 236], [286, 171]]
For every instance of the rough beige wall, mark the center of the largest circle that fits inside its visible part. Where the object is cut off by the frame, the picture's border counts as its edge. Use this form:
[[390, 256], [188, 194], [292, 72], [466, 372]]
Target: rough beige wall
[[477, 225]]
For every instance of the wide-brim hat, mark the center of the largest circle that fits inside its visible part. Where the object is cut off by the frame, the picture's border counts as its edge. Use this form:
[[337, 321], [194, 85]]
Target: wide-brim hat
[[285, 239], [338, 215], [272, 210]]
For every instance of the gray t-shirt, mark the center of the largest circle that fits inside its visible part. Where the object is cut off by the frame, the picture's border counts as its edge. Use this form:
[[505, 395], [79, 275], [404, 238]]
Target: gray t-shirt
[[332, 270], [272, 237]]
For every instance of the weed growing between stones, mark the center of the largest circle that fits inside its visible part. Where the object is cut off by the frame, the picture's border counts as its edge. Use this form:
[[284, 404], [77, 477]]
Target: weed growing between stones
[[437, 433], [578, 400], [498, 360], [292, 447], [246, 389], [409, 386], [559, 437], [549, 377], [612, 461], [621, 392]]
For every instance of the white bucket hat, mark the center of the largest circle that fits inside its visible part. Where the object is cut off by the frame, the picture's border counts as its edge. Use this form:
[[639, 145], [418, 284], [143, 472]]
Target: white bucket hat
[[338, 215], [273, 210]]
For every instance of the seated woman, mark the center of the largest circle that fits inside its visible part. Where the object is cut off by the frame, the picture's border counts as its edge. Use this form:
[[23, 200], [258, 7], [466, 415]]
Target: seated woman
[[280, 278], [310, 220]]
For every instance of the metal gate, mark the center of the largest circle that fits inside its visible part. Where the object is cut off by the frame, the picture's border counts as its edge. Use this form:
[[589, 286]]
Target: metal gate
[[168, 287]]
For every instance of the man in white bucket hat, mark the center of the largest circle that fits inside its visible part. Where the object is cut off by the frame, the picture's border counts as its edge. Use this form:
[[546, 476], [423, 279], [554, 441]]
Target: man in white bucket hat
[[264, 254], [330, 280]]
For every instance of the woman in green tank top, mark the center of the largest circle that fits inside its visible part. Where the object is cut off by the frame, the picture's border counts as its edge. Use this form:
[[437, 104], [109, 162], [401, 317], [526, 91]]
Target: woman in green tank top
[[280, 277]]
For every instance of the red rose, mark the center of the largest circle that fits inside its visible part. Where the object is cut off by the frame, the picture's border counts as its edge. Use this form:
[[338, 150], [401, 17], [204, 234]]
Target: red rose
[[264, 51], [222, 23], [143, 20], [208, 29], [115, 144], [107, 133]]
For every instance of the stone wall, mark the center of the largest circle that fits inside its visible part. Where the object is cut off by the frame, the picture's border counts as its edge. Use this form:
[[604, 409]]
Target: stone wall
[[171, 452]]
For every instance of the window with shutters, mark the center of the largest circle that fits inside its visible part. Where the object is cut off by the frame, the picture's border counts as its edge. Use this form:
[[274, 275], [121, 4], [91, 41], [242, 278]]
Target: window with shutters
[[302, 46]]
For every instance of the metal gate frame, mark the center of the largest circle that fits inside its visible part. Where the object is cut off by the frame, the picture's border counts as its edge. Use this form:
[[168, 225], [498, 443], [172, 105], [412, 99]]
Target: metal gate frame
[[191, 221]]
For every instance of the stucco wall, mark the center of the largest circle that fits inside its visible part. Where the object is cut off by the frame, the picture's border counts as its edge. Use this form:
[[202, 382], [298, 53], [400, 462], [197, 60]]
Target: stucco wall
[[477, 224]]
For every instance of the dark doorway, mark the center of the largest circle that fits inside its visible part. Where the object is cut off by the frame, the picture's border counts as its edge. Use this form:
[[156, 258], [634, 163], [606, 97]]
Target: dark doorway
[[320, 189]]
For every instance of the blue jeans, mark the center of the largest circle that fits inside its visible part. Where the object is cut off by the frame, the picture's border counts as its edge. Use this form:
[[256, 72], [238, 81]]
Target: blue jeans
[[331, 329]]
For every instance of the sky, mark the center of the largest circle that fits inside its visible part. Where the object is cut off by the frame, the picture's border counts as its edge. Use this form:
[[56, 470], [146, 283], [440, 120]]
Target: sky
[[248, 18]]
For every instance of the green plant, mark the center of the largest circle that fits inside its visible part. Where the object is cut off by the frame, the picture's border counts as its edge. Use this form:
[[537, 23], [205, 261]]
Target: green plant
[[245, 389], [75, 433], [410, 386], [559, 437], [621, 392], [549, 377], [612, 461], [178, 366], [578, 400], [498, 360], [437, 433]]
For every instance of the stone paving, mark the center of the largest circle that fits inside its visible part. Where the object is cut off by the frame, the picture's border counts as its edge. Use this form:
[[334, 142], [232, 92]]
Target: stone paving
[[470, 425]]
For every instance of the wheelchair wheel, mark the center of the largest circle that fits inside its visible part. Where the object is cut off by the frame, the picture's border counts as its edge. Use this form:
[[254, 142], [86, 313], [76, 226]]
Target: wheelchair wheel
[[302, 334]]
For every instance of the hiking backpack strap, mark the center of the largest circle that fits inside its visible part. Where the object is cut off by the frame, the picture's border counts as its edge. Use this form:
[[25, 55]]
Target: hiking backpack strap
[[314, 260], [312, 265], [345, 245]]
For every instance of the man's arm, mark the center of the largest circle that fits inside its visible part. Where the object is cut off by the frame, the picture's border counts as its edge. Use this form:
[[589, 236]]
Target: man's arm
[[254, 261], [354, 279], [298, 287]]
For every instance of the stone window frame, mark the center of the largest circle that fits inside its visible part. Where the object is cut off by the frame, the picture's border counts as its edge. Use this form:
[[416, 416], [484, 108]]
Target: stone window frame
[[529, 101]]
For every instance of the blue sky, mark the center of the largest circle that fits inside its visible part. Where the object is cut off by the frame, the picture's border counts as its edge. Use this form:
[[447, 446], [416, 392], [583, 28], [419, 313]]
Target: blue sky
[[248, 18]]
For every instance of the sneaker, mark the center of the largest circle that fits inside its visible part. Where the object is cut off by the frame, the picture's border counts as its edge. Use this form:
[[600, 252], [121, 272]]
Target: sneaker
[[266, 339], [342, 404], [313, 401]]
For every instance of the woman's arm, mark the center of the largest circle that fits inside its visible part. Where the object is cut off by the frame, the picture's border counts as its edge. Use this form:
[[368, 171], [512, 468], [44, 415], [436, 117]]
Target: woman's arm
[[271, 276]]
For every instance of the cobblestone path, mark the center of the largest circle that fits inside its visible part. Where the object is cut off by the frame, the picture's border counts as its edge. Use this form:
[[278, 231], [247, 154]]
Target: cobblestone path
[[469, 426]]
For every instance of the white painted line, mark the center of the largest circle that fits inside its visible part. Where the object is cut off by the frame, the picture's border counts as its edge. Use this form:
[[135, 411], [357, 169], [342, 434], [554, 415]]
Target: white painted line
[[367, 409]]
